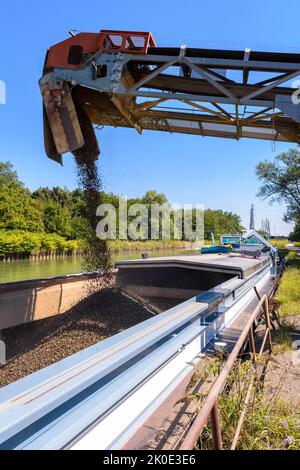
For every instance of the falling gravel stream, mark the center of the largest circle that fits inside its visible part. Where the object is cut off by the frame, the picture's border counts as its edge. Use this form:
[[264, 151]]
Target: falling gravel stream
[[96, 256]]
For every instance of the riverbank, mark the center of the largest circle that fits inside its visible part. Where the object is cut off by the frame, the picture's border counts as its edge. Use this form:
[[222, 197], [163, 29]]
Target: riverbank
[[123, 246], [18, 245], [288, 293]]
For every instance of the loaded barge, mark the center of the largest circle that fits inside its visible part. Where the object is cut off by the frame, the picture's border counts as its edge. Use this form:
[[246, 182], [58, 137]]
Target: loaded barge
[[119, 392]]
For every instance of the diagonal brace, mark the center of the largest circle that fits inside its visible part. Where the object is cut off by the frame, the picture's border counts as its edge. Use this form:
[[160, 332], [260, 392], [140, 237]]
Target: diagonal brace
[[262, 90], [153, 74], [209, 110], [209, 79], [126, 113], [149, 104]]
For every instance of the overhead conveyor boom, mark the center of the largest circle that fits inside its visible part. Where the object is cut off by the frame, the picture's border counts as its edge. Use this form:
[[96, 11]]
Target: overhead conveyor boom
[[121, 79]]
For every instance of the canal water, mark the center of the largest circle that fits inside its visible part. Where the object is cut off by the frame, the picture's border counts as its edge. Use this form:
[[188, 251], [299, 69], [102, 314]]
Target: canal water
[[19, 270]]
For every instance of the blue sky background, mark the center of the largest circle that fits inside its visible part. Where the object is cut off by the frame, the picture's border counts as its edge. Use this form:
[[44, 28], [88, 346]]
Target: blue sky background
[[217, 172]]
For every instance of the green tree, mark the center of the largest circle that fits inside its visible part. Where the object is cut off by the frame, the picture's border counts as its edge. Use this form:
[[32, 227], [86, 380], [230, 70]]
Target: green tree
[[57, 219], [154, 197], [281, 181], [218, 222], [295, 234], [17, 209], [7, 174], [56, 204]]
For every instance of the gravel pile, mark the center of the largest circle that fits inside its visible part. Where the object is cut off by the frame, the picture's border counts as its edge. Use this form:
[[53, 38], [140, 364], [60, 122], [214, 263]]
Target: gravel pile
[[39, 344]]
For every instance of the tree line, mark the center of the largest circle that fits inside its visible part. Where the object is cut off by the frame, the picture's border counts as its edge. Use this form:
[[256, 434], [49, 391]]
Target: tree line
[[62, 211]]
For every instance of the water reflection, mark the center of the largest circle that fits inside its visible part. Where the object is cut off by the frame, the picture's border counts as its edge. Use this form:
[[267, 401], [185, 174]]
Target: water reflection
[[20, 270]]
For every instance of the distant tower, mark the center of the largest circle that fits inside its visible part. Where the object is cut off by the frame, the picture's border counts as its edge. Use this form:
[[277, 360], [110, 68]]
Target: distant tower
[[252, 223], [268, 227]]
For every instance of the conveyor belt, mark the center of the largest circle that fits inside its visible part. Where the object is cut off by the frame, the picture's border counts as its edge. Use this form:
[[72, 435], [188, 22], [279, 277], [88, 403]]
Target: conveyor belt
[[284, 57]]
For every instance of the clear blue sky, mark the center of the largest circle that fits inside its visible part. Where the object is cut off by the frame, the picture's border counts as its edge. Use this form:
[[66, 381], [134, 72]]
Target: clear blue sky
[[189, 169]]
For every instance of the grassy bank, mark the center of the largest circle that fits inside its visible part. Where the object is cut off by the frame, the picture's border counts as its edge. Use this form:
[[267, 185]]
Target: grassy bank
[[15, 243], [19, 243], [280, 244], [270, 423], [119, 246], [288, 293]]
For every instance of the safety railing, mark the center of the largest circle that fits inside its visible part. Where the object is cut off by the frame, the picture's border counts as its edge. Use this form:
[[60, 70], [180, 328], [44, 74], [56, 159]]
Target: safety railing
[[125, 41], [209, 409]]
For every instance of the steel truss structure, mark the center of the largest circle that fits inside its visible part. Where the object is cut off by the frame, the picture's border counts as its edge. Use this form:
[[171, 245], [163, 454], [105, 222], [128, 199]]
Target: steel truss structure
[[221, 93]]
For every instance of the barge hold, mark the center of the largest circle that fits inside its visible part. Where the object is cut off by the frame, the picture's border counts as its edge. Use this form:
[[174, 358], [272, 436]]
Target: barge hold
[[102, 396], [34, 345]]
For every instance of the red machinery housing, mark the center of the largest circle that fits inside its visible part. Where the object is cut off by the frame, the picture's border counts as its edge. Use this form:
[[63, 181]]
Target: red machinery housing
[[67, 123], [73, 51]]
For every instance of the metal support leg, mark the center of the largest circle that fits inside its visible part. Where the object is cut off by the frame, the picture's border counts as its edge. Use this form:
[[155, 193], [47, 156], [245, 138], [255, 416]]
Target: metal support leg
[[268, 322], [216, 431], [252, 346]]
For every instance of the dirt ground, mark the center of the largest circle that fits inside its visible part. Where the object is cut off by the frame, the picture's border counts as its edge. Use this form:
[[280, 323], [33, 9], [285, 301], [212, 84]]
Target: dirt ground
[[284, 370], [41, 343]]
